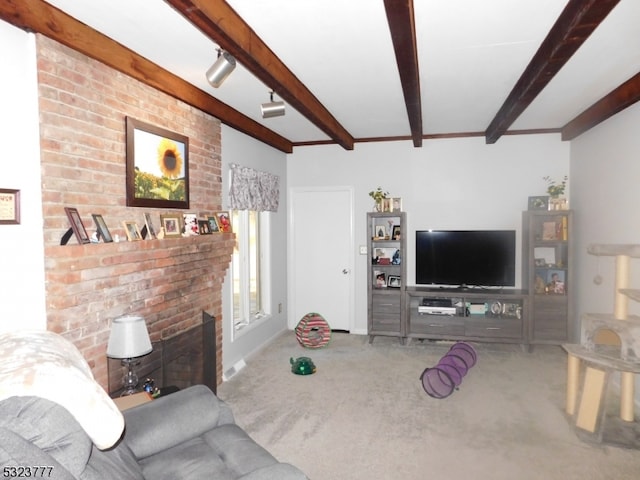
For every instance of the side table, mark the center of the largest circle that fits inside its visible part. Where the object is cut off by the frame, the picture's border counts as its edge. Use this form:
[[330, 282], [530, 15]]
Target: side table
[[130, 401]]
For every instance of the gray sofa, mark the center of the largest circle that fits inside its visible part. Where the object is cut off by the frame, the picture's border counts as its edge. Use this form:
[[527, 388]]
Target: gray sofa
[[57, 422], [190, 434]]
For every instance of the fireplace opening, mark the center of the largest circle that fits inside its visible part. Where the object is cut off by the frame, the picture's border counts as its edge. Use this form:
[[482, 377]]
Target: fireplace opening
[[185, 359]]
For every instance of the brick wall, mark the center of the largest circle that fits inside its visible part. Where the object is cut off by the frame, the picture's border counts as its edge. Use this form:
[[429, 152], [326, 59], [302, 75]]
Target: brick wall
[[83, 105]]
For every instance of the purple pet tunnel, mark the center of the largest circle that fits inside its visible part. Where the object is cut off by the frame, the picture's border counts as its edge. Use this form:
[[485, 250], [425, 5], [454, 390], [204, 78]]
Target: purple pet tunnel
[[441, 381]]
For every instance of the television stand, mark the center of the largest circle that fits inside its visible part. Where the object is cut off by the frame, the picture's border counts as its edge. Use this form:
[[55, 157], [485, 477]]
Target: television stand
[[467, 314]]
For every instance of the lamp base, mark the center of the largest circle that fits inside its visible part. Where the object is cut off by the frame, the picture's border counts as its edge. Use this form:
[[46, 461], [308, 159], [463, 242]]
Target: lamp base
[[130, 379]]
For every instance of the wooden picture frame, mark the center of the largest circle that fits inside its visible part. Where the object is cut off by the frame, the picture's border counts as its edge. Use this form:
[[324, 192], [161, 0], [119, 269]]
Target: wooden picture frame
[[172, 225], [132, 231], [539, 203], [556, 282], [396, 204], [394, 281], [151, 229], [76, 225], [213, 224], [157, 166], [9, 206], [549, 231], [203, 227], [380, 232], [190, 224], [224, 222], [540, 262], [101, 227]]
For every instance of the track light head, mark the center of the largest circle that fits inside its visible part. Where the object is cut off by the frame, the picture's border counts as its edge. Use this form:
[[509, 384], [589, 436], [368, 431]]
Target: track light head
[[221, 68], [272, 109]]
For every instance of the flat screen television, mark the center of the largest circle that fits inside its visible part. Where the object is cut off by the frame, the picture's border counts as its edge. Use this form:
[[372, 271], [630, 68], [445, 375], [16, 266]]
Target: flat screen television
[[466, 258]]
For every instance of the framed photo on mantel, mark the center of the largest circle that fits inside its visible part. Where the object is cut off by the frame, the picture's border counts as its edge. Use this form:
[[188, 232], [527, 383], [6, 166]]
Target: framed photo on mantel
[[76, 225], [103, 230]]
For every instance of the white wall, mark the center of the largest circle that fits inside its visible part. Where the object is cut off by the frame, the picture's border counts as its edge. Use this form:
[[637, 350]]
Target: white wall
[[245, 151], [450, 183], [605, 167], [22, 292]]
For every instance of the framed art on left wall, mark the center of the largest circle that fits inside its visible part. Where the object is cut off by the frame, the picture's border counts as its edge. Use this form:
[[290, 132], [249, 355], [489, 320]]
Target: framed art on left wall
[[9, 206]]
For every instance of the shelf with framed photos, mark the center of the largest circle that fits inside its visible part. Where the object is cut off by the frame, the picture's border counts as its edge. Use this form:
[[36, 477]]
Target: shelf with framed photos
[[547, 274], [386, 274]]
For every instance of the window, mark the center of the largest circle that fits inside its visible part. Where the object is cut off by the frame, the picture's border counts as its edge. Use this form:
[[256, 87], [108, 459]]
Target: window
[[247, 268]]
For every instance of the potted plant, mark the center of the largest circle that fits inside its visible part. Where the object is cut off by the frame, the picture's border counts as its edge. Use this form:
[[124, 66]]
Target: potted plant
[[378, 196], [556, 192]]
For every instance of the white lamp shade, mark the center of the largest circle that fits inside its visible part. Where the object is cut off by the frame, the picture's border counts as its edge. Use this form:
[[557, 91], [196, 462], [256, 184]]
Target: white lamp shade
[[129, 338], [221, 69]]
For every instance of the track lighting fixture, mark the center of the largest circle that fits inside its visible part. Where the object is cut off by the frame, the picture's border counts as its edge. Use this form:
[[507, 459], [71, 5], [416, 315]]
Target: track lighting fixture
[[272, 109], [221, 68]]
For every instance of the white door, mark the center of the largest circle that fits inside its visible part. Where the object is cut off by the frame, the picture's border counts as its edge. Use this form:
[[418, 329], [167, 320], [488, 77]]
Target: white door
[[321, 255]]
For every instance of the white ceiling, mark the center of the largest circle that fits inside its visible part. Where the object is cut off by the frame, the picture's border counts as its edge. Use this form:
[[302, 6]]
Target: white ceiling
[[470, 54]]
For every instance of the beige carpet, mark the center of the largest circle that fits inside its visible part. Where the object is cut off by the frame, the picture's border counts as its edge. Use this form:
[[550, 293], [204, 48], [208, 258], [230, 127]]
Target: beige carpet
[[364, 414]]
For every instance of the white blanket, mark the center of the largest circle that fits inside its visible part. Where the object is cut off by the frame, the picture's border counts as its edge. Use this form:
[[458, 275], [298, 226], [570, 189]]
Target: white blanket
[[45, 364]]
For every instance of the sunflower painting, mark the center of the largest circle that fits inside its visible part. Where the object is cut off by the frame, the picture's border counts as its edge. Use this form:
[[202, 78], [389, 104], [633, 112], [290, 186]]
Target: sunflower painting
[[157, 167]]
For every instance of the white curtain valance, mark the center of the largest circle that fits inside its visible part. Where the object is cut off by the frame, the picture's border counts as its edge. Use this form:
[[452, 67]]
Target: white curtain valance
[[253, 190]]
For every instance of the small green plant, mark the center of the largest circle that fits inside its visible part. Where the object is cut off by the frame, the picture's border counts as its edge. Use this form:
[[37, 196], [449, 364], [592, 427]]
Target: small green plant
[[556, 189], [378, 194]]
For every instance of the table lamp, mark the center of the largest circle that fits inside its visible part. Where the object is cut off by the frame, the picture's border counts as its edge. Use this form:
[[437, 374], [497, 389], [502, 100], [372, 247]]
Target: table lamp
[[128, 340]]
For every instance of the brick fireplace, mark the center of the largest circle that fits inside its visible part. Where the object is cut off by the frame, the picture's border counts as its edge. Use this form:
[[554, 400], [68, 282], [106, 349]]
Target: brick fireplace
[[169, 282], [83, 105]]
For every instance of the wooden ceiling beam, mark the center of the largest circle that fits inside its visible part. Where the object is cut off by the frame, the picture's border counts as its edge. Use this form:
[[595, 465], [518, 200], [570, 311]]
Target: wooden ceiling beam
[[400, 15], [574, 25], [40, 17], [615, 101], [219, 22]]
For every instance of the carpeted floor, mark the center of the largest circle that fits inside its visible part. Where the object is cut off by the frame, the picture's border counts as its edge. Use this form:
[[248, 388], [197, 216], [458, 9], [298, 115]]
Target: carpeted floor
[[364, 414]]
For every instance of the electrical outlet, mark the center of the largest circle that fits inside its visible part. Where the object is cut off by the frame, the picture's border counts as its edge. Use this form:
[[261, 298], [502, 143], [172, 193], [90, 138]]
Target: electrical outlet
[[363, 249], [279, 308]]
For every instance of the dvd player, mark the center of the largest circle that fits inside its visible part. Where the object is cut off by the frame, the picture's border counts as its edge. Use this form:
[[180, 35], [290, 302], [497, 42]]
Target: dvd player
[[431, 310], [436, 302]]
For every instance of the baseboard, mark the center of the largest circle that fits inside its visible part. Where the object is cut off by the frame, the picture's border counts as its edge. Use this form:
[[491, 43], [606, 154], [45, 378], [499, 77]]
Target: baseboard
[[239, 365]]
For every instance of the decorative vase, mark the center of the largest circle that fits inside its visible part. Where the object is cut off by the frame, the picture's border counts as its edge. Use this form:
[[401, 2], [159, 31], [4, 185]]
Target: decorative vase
[[558, 203]]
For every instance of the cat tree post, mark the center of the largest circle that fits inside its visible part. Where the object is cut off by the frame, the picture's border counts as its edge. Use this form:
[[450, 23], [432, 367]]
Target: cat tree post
[[621, 312], [573, 376]]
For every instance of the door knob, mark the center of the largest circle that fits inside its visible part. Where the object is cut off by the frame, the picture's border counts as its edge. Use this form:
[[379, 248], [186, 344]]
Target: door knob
[[345, 271]]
